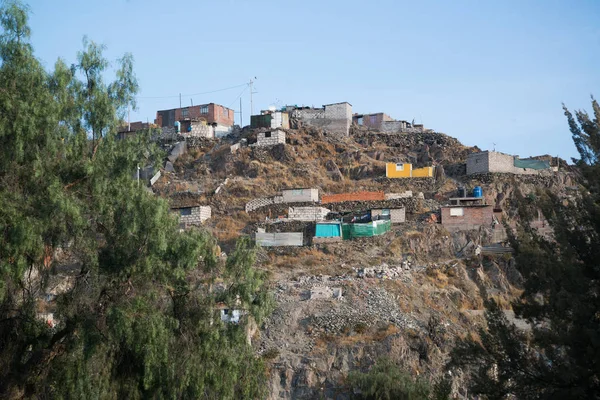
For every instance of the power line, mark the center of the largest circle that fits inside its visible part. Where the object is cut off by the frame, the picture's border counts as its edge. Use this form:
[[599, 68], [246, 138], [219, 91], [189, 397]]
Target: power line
[[240, 95], [193, 94]]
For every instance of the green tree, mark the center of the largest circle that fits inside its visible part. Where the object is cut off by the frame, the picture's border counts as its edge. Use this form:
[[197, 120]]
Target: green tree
[[560, 358], [138, 319], [386, 381]]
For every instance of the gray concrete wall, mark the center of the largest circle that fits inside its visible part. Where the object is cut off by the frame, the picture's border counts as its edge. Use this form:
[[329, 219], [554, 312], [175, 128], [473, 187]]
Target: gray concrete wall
[[279, 239]]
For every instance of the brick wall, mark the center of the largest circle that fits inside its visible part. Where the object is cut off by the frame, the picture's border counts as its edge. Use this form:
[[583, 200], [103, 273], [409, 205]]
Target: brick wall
[[472, 218], [215, 113], [357, 196]]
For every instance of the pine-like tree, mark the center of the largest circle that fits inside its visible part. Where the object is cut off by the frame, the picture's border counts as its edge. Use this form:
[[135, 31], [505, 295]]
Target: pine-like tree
[[560, 359], [139, 320]]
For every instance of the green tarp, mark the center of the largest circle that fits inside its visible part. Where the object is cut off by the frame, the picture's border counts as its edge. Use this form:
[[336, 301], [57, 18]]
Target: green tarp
[[531, 163], [374, 228]]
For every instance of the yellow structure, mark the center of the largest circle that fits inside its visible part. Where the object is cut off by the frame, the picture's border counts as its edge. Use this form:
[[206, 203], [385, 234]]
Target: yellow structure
[[393, 170], [425, 172], [400, 170]]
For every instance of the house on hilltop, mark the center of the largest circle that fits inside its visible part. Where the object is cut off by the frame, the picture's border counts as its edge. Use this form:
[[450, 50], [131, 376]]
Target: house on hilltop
[[272, 119], [334, 118], [494, 161], [373, 121], [193, 118]]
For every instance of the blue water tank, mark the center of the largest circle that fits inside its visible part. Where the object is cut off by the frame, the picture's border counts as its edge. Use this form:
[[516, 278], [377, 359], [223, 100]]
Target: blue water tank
[[177, 126], [477, 192]]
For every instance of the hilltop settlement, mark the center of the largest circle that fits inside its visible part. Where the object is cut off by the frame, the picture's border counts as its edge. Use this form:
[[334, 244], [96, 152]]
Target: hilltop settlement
[[379, 235]]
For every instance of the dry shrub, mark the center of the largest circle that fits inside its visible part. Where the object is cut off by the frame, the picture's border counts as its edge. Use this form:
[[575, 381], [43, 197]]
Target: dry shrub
[[437, 277], [228, 229]]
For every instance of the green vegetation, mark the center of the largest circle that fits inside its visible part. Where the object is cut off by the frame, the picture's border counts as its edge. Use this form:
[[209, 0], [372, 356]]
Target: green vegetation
[[139, 320], [386, 381], [560, 358]]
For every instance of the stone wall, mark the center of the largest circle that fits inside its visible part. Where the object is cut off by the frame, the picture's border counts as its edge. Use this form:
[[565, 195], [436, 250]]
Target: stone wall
[[271, 138], [356, 196], [307, 213], [392, 196]]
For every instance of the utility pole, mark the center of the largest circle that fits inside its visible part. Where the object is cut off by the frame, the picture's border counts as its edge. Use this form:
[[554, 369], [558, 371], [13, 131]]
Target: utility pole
[[251, 93], [241, 115], [179, 100]]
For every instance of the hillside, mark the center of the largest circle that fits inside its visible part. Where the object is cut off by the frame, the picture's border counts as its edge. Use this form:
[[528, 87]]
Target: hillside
[[406, 294]]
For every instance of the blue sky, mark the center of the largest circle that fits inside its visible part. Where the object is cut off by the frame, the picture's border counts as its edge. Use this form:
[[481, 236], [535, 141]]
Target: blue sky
[[482, 71]]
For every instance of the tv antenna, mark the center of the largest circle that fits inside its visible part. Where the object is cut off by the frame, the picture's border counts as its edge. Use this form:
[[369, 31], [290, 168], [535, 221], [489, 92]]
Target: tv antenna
[[494, 146]]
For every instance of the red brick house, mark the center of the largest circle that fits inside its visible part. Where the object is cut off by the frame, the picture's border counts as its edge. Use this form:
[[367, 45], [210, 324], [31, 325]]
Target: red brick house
[[221, 117], [467, 217]]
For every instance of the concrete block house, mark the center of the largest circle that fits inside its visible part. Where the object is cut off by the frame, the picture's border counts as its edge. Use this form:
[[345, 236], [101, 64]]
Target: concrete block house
[[196, 119], [272, 138], [495, 162], [335, 118], [189, 209], [300, 195]]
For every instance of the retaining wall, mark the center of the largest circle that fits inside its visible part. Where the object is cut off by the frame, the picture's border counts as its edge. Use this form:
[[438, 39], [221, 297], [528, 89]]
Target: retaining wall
[[307, 213], [263, 202]]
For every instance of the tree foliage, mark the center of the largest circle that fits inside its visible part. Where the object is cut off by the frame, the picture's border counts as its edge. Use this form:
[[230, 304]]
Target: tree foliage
[[386, 381], [137, 317], [560, 358]]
